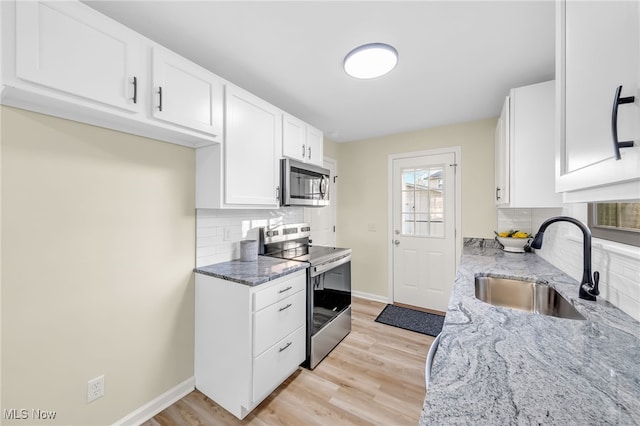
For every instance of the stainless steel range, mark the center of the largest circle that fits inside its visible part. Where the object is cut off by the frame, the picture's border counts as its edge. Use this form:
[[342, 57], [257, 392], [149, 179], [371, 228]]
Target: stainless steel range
[[328, 285]]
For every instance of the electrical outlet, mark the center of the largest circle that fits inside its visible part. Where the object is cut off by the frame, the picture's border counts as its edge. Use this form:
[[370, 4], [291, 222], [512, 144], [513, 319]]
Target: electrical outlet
[[227, 233], [95, 388]]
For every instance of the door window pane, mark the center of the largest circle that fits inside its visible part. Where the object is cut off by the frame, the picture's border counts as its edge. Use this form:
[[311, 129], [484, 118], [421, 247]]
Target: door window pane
[[422, 194]]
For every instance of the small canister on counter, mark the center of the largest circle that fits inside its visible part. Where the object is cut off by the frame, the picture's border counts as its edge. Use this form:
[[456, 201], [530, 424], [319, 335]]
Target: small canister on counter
[[248, 250]]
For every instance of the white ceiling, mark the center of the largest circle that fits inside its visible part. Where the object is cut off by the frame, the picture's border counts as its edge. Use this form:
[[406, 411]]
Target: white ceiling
[[457, 59]]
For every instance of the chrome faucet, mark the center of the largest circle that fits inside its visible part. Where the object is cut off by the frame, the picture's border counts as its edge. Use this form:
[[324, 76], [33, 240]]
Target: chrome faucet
[[588, 286]]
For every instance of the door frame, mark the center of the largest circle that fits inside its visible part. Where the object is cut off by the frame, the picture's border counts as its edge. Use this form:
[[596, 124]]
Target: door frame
[[457, 151]]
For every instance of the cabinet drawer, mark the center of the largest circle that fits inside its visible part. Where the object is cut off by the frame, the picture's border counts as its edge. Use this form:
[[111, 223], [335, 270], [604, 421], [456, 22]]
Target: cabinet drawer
[[278, 320], [268, 296], [272, 367]]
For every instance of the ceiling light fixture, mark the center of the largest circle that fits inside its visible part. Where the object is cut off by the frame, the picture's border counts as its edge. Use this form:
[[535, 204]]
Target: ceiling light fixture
[[370, 60]]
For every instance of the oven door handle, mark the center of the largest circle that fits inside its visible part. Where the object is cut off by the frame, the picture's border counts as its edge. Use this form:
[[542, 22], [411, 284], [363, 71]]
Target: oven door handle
[[324, 267]]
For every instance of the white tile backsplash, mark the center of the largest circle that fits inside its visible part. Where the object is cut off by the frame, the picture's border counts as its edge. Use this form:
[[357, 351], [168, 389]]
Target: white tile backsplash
[[618, 264], [219, 232]]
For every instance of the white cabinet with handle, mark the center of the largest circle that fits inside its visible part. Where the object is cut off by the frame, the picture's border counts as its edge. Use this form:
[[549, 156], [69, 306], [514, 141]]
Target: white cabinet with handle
[[76, 51], [525, 176], [598, 71], [67, 60], [301, 141], [243, 172], [186, 94], [248, 339]]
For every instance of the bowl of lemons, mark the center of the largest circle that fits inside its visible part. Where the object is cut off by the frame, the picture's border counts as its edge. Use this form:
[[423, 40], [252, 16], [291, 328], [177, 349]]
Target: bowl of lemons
[[514, 241]]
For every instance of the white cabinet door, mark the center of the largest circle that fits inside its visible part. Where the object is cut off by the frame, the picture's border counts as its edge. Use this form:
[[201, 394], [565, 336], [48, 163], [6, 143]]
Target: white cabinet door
[[315, 144], [301, 142], [186, 94], [294, 138], [531, 172], [253, 134], [66, 47], [502, 156], [598, 50]]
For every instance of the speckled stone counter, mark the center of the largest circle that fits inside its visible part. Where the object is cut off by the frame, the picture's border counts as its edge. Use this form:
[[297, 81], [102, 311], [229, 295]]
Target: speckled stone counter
[[252, 273], [497, 366]]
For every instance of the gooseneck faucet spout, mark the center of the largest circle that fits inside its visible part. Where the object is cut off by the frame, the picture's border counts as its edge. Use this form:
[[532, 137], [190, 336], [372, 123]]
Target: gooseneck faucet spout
[[588, 286]]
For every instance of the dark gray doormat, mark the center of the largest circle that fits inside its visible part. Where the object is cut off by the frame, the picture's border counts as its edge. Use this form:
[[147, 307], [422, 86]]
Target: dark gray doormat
[[410, 319]]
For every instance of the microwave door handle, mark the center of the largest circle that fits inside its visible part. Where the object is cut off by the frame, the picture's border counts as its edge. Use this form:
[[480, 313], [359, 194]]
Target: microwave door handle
[[323, 187]]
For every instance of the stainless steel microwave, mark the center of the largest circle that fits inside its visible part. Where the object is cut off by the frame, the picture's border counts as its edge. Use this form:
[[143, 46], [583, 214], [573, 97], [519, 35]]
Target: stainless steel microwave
[[303, 184]]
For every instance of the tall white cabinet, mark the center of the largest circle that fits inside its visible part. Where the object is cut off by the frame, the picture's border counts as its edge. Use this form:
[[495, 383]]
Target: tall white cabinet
[[598, 50], [524, 149]]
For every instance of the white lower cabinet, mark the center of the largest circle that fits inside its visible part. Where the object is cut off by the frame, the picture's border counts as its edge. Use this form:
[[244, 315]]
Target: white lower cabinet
[[248, 339]]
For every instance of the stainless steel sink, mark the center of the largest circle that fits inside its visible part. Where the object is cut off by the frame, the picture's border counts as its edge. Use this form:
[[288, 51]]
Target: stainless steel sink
[[524, 295]]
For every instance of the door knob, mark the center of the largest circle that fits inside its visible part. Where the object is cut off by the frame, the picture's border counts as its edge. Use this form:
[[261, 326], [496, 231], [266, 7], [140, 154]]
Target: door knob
[[396, 242], [397, 232]]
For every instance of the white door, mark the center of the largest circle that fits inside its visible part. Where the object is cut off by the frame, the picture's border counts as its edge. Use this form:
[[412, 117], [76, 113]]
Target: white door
[[424, 241], [323, 219]]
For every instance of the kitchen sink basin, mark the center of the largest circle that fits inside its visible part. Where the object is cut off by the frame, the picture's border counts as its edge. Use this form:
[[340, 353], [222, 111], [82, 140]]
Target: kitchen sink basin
[[525, 295]]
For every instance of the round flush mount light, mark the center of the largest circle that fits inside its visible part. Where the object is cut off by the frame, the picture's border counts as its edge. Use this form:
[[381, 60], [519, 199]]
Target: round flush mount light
[[370, 60]]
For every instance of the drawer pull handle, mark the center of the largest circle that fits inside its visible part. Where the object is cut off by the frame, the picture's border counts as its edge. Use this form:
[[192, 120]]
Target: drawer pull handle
[[286, 307], [285, 289], [285, 346]]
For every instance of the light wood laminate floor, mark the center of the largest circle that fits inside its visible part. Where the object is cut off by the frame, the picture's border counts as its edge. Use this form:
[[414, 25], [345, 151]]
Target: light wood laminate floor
[[374, 376]]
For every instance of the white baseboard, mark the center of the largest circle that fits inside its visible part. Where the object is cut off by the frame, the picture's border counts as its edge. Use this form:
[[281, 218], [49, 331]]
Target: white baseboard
[[369, 296], [158, 404]]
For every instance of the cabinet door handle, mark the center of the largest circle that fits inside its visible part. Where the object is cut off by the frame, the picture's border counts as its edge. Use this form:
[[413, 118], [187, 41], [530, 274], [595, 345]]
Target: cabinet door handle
[[285, 347], [160, 98], [497, 192], [285, 307], [135, 89], [309, 156], [303, 151], [285, 289], [617, 101]]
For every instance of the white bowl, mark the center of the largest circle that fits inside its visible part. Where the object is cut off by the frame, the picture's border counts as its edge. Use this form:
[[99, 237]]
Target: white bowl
[[514, 245]]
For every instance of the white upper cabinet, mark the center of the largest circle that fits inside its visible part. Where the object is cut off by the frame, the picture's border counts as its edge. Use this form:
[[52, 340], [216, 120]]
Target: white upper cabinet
[[244, 171], [502, 156], [294, 138], [77, 51], [186, 94], [301, 141], [65, 59], [525, 176], [315, 146], [598, 50], [253, 135]]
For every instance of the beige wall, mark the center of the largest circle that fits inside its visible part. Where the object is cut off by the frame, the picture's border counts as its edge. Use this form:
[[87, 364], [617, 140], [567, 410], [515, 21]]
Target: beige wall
[[363, 198], [98, 247], [330, 149]]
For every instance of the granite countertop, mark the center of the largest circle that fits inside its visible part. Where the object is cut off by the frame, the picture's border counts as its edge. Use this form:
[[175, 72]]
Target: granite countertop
[[500, 366], [252, 273]]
